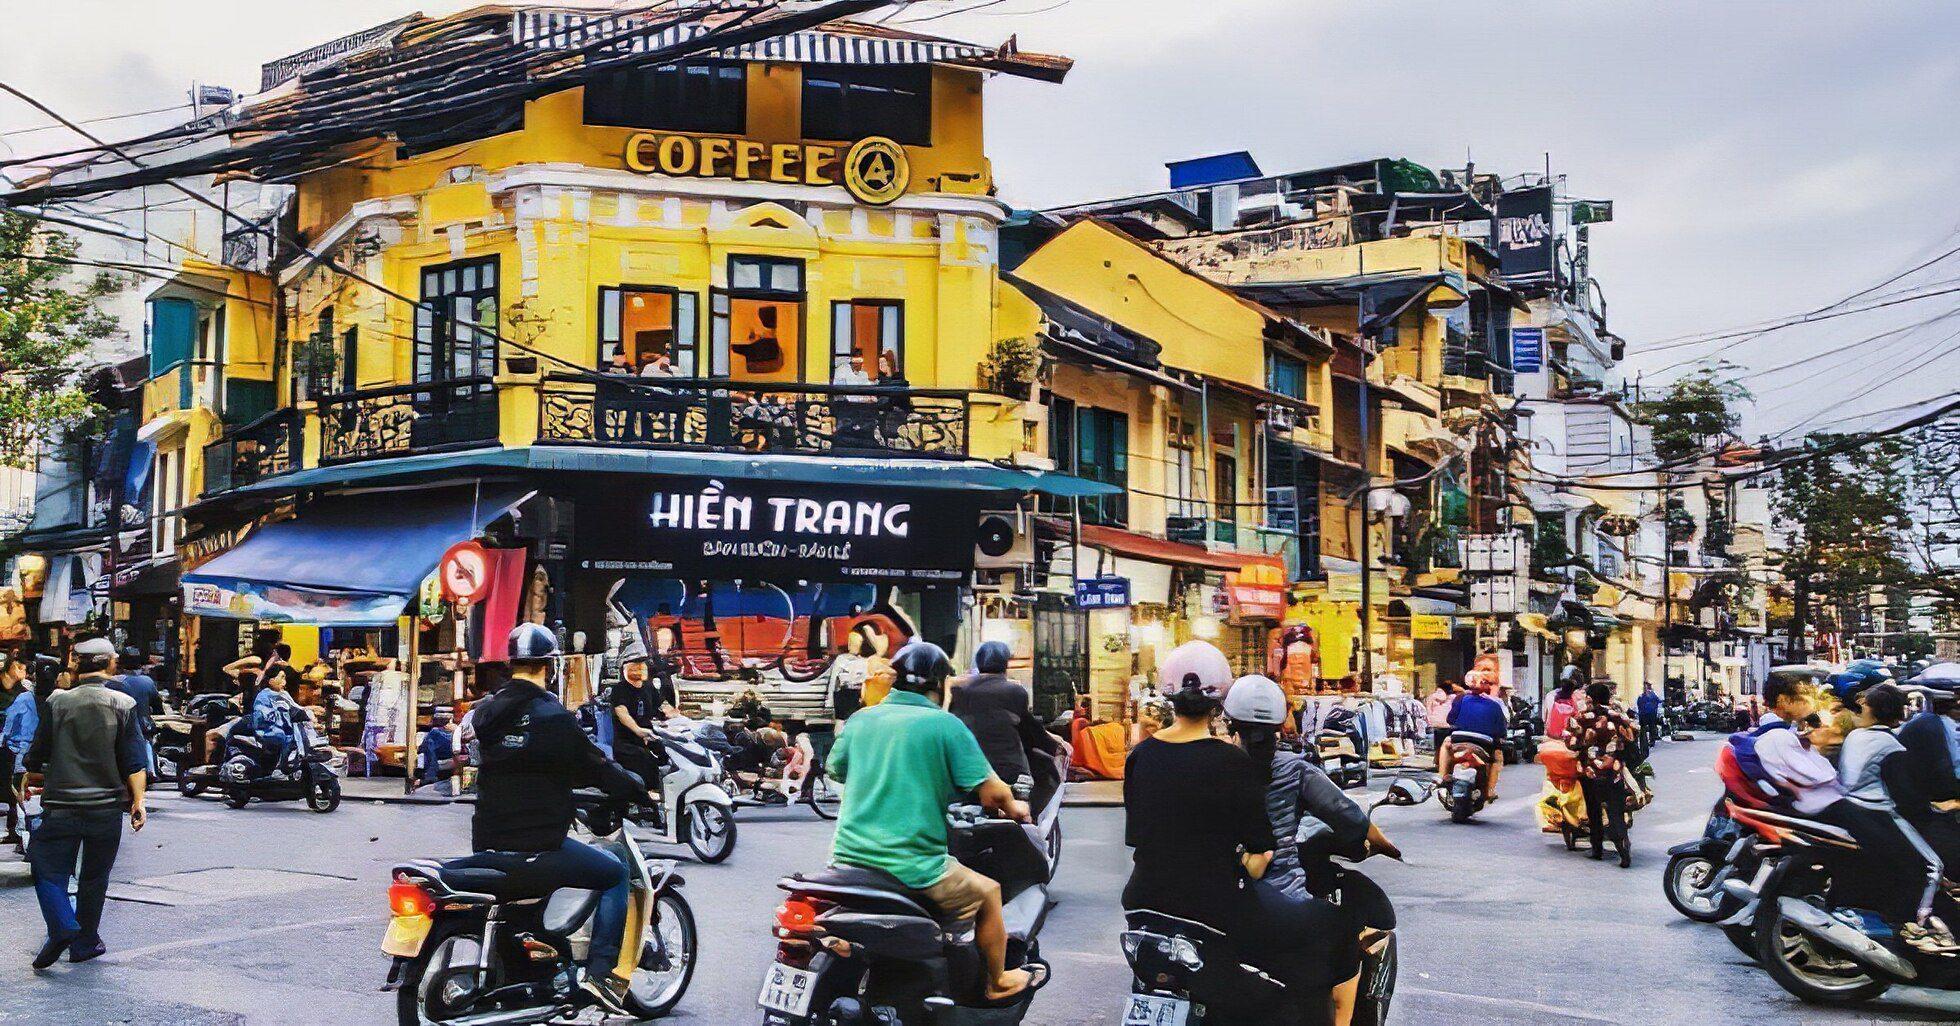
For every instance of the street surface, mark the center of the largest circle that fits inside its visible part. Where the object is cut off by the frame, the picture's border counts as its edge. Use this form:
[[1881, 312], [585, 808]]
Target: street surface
[[273, 915]]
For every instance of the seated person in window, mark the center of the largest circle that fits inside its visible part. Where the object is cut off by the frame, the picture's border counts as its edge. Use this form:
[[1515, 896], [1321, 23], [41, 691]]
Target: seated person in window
[[887, 367], [850, 371], [661, 366], [619, 363], [763, 352]]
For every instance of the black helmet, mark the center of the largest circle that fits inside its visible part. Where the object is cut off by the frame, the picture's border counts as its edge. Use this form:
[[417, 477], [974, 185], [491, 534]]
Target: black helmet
[[532, 643], [992, 657], [921, 666]]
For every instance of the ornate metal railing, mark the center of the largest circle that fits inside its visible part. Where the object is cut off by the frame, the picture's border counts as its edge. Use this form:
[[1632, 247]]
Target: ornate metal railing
[[266, 447], [753, 417], [402, 420]]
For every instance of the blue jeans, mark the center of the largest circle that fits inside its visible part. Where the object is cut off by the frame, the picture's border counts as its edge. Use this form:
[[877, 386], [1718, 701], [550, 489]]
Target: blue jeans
[[574, 864], [95, 835]]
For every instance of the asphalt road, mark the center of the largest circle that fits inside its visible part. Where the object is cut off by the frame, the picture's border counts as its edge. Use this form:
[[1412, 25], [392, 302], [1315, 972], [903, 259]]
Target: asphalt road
[[273, 915]]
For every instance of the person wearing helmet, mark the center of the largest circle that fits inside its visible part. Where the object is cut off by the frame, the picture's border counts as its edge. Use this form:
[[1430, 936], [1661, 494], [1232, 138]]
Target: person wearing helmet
[[634, 705], [532, 755], [1323, 938], [1195, 807], [902, 762], [1000, 712], [1478, 713]]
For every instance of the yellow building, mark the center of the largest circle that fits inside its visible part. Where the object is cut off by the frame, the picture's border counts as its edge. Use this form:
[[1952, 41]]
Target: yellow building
[[698, 329]]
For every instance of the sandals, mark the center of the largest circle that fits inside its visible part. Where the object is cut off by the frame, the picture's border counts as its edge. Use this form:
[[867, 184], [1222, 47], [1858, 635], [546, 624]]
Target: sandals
[[1038, 976]]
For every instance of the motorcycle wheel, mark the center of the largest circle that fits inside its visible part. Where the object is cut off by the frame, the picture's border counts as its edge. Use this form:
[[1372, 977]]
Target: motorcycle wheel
[[1461, 807], [1571, 836], [654, 992], [1685, 876], [1799, 965], [411, 999], [710, 831], [238, 796], [1055, 850], [323, 795]]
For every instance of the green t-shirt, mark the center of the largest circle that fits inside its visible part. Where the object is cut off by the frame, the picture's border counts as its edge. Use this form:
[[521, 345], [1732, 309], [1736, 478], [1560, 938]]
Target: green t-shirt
[[902, 762]]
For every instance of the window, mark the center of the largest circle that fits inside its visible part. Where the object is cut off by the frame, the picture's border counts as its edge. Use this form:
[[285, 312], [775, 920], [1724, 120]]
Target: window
[[648, 331], [166, 497], [311, 374], [758, 321], [851, 101], [1225, 488], [1187, 501], [870, 332], [1286, 375], [350, 360], [456, 323], [1102, 453], [705, 96]]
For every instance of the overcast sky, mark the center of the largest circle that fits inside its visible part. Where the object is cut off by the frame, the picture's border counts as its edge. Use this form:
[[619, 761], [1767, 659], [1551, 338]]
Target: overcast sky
[[1765, 158]]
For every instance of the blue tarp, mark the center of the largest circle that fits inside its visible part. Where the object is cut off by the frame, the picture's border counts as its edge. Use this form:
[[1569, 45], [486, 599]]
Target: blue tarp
[[346, 561]]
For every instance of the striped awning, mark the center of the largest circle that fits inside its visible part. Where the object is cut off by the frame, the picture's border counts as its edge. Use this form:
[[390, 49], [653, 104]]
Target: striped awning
[[568, 30]]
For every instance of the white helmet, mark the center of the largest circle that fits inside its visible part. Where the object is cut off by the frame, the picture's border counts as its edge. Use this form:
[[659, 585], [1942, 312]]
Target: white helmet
[[1196, 664], [1255, 699]]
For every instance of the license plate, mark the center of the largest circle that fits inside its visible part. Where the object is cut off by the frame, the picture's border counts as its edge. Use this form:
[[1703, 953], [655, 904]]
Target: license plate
[[405, 935], [1464, 773], [1151, 1010], [787, 989]]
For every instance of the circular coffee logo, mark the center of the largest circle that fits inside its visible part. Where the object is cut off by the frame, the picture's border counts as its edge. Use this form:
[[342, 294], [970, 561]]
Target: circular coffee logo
[[875, 170]]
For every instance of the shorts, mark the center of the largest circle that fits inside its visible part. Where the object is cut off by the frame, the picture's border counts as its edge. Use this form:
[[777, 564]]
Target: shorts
[[961, 892]]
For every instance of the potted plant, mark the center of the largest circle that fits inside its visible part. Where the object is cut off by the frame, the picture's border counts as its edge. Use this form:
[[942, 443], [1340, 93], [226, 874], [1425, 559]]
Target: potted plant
[[1010, 366]]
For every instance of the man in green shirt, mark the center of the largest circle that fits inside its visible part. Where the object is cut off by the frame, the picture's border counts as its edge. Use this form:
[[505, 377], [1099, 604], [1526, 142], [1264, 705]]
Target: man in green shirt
[[902, 762]]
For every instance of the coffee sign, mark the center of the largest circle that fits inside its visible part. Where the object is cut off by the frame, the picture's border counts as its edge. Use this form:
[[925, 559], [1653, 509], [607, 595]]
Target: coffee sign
[[874, 169], [734, 528]]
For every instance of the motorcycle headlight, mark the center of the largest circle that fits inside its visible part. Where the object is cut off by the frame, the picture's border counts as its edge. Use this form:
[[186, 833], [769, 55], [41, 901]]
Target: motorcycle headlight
[[1185, 953]]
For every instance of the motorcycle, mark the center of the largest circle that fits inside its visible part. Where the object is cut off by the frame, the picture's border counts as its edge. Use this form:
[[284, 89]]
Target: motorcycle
[[1340, 750], [249, 769], [1818, 947], [1521, 738], [857, 948], [1185, 972], [1465, 793], [190, 738], [470, 949], [694, 809], [802, 781]]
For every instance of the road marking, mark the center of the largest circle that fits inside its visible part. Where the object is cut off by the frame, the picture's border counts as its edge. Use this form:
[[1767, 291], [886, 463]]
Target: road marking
[[126, 955], [1508, 1003]]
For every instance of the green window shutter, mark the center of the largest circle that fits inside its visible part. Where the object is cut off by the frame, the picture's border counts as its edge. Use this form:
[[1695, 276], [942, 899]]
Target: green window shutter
[[247, 400], [173, 333]]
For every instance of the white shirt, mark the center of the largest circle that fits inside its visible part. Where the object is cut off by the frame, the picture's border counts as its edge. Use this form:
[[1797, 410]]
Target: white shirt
[[1808, 777], [1864, 751]]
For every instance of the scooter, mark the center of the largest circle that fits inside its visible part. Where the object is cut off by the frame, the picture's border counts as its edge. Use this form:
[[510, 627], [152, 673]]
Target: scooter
[[857, 948], [1466, 792], [1819, 948], [801, 782], [1340, 751], [305, 770], [694, 809], [1184, 972], [191, 738], [470, 947], [1521, 739]]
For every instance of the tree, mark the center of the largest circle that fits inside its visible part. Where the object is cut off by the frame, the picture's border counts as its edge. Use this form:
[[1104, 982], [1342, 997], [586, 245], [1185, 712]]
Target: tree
[[49, 318], [1845, 523], [1933, 473], [1694, 415]]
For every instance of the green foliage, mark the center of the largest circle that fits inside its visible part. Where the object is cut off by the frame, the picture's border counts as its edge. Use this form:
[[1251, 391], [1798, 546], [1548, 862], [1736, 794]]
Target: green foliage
[[49, 318], [1009, 367], [1696, 414], [1846, 520]]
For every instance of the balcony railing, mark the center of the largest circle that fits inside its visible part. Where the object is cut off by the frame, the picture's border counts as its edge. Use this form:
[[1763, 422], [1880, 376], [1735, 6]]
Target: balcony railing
[[403, 420], [753, 417], [264, 448]]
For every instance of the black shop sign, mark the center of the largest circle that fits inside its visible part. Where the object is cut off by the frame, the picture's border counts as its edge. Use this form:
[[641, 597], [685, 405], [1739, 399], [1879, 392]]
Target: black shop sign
[[733, 528], [1524, 232]]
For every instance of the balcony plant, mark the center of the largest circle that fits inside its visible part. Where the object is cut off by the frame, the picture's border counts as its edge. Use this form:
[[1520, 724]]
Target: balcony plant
[[1010, 366]]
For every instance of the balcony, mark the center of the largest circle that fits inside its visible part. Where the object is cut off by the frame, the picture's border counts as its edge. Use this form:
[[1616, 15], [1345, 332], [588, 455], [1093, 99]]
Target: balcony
[[266, 447], [403, 420], [753, 417]]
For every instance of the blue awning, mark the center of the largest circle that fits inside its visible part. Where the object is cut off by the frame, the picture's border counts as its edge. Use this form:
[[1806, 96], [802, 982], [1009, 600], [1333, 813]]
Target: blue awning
[[966, 475], [348, 561]]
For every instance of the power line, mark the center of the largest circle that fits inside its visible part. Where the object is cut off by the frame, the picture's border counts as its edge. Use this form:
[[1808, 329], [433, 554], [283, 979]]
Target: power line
[[92, 121]]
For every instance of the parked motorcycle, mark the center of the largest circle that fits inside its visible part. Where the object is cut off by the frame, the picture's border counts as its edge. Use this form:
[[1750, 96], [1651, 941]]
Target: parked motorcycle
[[1340, 750], [191, 738], [1467, 791], [1185, 973], [802, 781], [1521, 738], [694, 809], [250, 769], [471, 948], [1818, 947], [857, 948]]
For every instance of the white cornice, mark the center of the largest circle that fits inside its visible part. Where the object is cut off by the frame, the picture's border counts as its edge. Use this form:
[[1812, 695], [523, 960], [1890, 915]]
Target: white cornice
[[387, 206]]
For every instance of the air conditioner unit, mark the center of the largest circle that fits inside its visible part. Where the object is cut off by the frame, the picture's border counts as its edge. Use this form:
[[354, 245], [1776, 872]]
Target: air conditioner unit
[[1280, 418], [1003, 541]]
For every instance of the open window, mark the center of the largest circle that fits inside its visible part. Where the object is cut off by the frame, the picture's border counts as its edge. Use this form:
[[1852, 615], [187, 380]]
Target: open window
[[698, 96], [758, 321], [457, 321], [648, 331], [867, 342], [851, 101]]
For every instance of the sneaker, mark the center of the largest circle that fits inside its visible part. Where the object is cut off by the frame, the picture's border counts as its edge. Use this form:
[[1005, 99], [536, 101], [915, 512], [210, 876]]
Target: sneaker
[[1931, 937], [607, 991]]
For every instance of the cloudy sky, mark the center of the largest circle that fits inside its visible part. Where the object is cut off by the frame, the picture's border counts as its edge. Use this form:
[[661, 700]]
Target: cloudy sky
[[1766, 159]]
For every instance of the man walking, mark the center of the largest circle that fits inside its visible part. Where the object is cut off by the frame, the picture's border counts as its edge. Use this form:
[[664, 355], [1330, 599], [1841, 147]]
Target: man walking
[[141, 688], [88, 756], [1649, 707]]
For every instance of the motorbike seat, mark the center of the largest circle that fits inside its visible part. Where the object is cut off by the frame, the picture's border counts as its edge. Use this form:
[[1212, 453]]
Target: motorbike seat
[[1468, 737], [1025, 913], [855, 885]]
